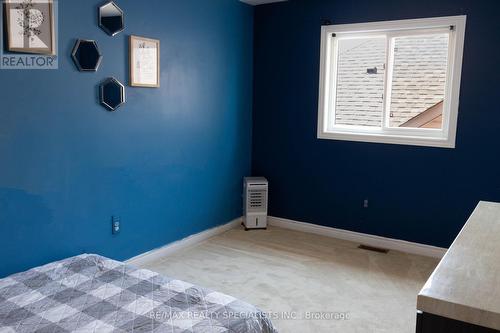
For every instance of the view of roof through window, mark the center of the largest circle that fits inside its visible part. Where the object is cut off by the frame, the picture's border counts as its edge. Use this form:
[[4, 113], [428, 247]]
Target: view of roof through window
[[417, 85]]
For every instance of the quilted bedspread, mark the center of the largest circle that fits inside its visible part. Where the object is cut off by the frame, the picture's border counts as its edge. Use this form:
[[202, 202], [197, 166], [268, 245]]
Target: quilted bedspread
[[90, 293]]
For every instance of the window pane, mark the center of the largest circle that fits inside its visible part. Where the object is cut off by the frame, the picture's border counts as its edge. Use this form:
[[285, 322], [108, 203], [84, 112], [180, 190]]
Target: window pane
[[360, 81], [418, 81]]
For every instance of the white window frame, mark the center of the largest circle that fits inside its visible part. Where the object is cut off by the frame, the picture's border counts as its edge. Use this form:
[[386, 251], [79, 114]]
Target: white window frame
[[444, 137]]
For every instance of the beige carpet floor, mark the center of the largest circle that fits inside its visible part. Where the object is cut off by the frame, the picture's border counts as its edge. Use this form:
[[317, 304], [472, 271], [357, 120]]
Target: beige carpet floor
[[308, 283]]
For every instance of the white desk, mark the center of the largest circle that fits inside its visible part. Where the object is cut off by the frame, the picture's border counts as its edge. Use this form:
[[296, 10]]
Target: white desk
[[466, 284]]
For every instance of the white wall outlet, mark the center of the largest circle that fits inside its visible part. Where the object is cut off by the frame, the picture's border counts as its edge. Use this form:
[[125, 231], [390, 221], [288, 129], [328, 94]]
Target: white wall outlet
[[115, 224]]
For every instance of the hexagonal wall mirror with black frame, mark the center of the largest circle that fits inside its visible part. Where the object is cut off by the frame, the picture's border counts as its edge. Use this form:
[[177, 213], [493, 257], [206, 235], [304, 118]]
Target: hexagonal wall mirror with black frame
[[112, 94], [111, 18], [86, 55]]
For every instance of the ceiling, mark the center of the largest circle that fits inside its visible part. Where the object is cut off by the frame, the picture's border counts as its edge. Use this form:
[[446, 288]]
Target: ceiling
[[260, 2]]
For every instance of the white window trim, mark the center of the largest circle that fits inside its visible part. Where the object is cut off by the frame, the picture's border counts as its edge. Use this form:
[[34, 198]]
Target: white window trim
[[416, 137]]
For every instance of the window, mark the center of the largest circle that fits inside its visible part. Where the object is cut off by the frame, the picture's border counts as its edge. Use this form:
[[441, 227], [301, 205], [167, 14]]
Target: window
[[392, 82]]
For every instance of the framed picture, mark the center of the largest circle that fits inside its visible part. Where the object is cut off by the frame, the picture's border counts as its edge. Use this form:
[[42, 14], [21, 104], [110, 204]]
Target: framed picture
[[144, 62], [30, 26]]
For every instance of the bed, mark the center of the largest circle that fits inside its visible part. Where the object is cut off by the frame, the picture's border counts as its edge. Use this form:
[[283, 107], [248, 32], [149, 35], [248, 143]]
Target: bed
[[90, 293]]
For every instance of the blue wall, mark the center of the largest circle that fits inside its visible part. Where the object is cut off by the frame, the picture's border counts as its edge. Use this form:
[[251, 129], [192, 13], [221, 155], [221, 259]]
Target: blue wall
[[170, 162], [416, 193]]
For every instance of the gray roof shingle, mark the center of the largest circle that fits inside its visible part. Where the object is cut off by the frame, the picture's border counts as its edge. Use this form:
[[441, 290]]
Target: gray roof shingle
[[419, 78]]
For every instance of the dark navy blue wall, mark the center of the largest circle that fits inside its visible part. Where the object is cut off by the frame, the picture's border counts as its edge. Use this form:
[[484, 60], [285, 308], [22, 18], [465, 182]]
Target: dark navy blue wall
[[416, 193], [170, 162]]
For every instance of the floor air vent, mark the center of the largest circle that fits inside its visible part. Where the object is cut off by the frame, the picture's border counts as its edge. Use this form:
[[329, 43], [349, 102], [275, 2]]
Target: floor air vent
[[373, 249]]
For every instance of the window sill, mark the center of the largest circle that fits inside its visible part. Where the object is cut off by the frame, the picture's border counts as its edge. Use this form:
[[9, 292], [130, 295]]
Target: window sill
[[389, 139]]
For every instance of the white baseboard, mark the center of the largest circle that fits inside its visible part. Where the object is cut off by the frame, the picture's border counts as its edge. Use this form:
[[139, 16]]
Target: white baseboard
[[356, 237], [365, 239], [182, 244]]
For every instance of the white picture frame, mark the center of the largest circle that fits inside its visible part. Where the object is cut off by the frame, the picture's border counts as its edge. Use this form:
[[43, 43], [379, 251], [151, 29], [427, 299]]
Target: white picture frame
[[144, 55]]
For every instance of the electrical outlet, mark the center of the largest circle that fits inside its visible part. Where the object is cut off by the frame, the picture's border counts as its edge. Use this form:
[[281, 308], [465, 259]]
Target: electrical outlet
[[115, 225], [365, 203]]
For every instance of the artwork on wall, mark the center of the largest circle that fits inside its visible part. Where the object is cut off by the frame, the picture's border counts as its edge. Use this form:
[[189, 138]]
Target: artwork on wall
[[86, 55], [111, 18], [30, 26], [144, 57], [144, 62], [112, 94]]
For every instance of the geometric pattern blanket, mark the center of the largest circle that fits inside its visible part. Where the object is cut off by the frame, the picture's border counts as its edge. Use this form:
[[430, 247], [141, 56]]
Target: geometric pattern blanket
[[89, 293]]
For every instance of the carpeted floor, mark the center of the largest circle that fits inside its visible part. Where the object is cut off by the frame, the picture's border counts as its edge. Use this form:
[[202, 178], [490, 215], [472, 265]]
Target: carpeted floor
[[308, 283]]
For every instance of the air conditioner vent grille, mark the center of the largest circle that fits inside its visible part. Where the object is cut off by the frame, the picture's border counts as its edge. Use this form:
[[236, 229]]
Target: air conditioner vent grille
[[257, 200], [256, 196]]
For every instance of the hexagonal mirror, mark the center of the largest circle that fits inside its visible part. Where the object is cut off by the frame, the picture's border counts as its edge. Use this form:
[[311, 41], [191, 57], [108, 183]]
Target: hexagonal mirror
[[86, 55], [111, 18], [112, 94]]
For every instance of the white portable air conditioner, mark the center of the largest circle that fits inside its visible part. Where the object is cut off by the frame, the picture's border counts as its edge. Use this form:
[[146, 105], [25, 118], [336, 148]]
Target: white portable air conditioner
[[255, 191]]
